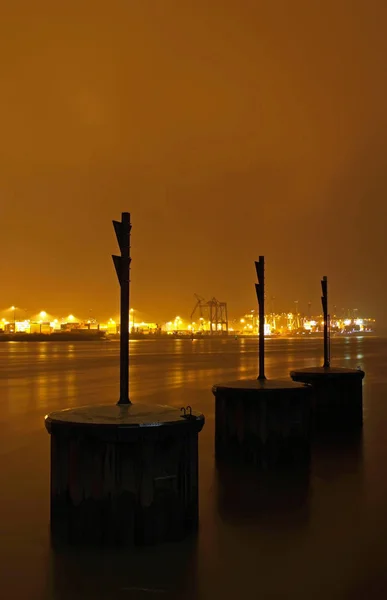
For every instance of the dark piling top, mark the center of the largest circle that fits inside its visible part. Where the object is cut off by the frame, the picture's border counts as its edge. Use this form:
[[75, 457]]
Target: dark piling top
[[333, 373], [122, 418], [256, 385]]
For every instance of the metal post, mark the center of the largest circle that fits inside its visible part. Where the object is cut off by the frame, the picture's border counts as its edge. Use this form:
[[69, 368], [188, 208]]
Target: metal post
[[324, 300], [122, 265], [260, 290]]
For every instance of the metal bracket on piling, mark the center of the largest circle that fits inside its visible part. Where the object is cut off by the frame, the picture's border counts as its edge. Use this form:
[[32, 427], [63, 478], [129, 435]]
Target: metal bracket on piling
[[122, 266], [187, 415]]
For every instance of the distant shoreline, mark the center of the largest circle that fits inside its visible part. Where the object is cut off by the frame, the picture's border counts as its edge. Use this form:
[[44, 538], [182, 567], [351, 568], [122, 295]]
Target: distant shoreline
[[52, 337], [101, 337]]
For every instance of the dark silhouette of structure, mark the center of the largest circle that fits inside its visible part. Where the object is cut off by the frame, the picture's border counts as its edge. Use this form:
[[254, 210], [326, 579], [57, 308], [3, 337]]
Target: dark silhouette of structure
[[212, 312], [122, 265], [124, 473], [262, 422], [324, 301], [260, 290], [338, 392]]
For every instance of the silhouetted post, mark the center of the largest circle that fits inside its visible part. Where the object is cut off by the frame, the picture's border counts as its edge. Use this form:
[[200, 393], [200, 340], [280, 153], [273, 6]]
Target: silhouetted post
[[338, 391], [324, 300], [260, 289], [122, 265], [124, 473], [263, 422]]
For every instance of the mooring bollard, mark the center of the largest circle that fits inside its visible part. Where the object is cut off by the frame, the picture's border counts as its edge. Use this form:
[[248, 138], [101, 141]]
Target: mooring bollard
[[262, 422], [337, 392], [124, 473]]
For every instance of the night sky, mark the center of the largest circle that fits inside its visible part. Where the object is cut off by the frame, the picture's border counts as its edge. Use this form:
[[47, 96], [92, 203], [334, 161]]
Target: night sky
[[228, 128]]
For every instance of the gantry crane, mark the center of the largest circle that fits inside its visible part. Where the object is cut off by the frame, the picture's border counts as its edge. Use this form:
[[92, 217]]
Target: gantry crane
[[212, 314]]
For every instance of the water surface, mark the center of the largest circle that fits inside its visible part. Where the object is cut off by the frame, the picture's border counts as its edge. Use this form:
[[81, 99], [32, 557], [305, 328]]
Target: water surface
[[325, 539]]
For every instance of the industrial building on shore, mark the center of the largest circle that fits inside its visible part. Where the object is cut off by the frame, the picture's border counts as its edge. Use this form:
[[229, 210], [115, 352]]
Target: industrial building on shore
[[207, 319]]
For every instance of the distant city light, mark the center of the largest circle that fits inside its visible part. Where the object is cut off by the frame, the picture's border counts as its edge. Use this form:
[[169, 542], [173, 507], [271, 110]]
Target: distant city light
[[279, 324]]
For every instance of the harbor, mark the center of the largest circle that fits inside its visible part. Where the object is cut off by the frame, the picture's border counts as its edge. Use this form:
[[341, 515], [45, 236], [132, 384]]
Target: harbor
[[340, 515], [174, 425], [281, 325]]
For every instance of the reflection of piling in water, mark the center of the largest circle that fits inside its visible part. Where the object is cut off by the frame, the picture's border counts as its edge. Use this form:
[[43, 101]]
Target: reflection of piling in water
[[337, 454], [276, 499], [262, 422], [337, 392], [124, 474], [167, 571]]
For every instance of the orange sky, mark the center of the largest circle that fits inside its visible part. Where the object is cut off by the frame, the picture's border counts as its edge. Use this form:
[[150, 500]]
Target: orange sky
[[228, 129]]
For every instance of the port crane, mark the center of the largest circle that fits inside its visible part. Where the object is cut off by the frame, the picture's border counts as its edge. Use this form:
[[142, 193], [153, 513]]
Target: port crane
[[212, 313]]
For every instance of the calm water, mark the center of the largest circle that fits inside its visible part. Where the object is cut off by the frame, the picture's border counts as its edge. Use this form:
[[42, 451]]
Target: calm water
[[326, 539]]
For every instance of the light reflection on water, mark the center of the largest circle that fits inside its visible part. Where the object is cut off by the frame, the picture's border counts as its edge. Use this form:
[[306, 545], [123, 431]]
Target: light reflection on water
[[326, 535]]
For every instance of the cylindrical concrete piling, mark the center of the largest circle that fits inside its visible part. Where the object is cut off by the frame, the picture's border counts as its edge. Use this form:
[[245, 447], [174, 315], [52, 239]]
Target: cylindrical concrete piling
[[124, 474], [264, 423], [337, 396]]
